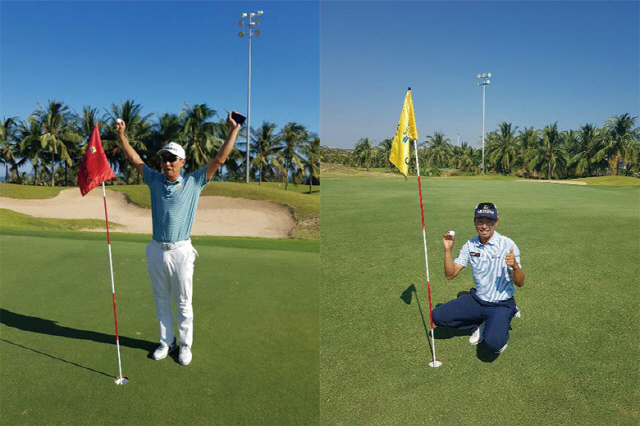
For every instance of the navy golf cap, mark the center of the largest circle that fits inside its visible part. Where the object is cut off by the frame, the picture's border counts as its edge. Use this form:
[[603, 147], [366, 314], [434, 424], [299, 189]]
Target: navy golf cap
[[486, 210]]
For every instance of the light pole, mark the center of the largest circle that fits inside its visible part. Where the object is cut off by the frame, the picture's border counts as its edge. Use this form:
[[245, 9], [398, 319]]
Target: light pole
[[251, 22], [483, 80]]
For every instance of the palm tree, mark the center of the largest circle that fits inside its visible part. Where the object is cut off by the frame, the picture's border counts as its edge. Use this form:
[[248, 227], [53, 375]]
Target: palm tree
[[529, 140], [233, 167], [138, 132], [8, 149], [551, 154], [583, 155], [385, 152], [85, 122], [58, 133], [467, 156], [29, 133], [619, 134], [292, 136], [265, 141], [363, 153], [502, 148], [438, 150], [312, 161], [200, 133]]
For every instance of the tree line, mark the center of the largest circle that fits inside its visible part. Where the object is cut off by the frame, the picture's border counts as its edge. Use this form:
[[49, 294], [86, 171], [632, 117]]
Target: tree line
[[549, 153], [53, 139]]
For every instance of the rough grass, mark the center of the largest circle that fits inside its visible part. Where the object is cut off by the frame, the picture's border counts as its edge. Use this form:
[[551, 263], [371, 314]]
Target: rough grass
[[14, 220], [29, 192], [611, 181], [572, 357]]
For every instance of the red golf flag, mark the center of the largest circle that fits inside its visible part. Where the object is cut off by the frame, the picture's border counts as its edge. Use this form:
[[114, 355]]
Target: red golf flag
[[95, 167]]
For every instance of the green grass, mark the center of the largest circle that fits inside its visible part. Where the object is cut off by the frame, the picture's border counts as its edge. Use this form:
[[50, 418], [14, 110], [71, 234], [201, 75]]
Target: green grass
[[255, 346], [572, 357], [611, 181], [13, 220], [28, 192]]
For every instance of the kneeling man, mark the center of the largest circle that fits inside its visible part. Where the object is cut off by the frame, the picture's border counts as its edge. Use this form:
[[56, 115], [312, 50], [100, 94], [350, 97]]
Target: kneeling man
[[495, 265]]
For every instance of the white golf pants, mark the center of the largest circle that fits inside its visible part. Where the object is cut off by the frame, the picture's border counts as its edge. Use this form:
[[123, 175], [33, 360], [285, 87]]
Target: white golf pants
[[171, 271]]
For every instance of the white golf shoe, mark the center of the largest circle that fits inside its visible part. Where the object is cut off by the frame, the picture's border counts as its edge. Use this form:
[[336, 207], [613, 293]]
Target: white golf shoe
[[477, 335], [185, 355], [503, 348], [163, 350]]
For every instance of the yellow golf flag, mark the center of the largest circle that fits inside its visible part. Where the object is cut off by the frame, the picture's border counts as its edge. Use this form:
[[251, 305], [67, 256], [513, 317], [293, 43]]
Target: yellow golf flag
[[406, 132]]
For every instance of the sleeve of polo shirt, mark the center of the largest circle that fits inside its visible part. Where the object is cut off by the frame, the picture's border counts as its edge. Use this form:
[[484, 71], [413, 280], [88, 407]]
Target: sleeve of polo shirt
[[463, 256], [200, 177], [149, 175]]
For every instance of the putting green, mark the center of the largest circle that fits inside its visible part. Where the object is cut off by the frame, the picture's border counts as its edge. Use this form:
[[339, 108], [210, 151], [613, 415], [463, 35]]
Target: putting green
[[572, 357], [255, 353]]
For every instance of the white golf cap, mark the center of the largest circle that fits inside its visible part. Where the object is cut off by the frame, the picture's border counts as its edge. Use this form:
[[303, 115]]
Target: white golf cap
[[174, 149]]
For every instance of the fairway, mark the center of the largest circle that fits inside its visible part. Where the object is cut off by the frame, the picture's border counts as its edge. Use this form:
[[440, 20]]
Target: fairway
[[573, 355], [255, 352]]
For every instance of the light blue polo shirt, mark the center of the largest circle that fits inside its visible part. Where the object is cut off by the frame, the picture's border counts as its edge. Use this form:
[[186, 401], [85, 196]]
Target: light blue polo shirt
[[174, 204], [491, 275]]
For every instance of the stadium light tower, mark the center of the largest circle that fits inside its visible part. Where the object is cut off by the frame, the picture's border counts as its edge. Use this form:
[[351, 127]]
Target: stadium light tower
[[251, 21], [483, 80]]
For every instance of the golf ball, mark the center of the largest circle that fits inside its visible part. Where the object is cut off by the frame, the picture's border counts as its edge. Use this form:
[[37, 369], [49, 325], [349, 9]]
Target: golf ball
[[452, 232]]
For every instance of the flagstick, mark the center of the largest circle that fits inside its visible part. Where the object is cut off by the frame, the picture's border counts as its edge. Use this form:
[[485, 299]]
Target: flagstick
[[121, 380], [434, 363]]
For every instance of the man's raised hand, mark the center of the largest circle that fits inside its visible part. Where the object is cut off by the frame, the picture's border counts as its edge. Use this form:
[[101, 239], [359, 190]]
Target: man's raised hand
[[510, 258]]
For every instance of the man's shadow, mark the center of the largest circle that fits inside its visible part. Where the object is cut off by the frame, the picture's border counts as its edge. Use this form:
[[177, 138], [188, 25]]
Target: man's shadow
[[482, 352], [50, 327]]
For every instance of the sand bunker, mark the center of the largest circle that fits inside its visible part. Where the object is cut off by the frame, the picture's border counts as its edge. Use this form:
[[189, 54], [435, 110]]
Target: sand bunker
[[565, 182], [222, 216]]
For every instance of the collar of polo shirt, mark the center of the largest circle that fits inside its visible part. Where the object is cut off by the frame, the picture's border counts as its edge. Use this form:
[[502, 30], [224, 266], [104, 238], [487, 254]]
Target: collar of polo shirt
[[175, 182]]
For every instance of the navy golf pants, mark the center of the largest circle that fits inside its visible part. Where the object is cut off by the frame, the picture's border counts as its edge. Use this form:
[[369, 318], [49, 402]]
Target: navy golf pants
[[468, 311]]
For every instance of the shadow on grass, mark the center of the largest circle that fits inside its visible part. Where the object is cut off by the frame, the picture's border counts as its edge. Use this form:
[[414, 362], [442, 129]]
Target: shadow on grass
[[58, 359], [44, 326], [483, 353], [407, 297]]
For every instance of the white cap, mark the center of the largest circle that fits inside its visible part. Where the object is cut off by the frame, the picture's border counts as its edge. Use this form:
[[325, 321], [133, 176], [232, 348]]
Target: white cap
[[452, 232], [174, 149]]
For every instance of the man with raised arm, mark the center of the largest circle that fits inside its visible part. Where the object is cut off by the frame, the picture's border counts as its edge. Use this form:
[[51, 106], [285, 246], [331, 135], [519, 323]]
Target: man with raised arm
[[170, 255]]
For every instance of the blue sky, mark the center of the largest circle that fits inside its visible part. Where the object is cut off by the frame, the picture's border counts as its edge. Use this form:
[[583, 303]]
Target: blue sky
[[572, 62], [160, 54]]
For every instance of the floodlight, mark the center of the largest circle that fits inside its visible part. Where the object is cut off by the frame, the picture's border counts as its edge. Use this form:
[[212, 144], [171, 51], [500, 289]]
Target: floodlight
[[241, 33], [488, 81], [256, 33], [240, 23], [260, 12], [478, 75], [489, 75], [244, 15]]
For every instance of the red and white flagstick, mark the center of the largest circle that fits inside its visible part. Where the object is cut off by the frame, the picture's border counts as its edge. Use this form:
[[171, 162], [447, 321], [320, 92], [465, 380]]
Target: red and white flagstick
[[120, 380], [435, 362]]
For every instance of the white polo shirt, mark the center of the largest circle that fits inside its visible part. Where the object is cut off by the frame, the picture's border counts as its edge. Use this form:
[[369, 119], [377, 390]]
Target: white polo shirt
[[491, 275]]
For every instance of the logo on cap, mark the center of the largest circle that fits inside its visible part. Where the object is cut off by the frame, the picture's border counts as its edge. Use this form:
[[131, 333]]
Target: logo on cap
[[486, 210]]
